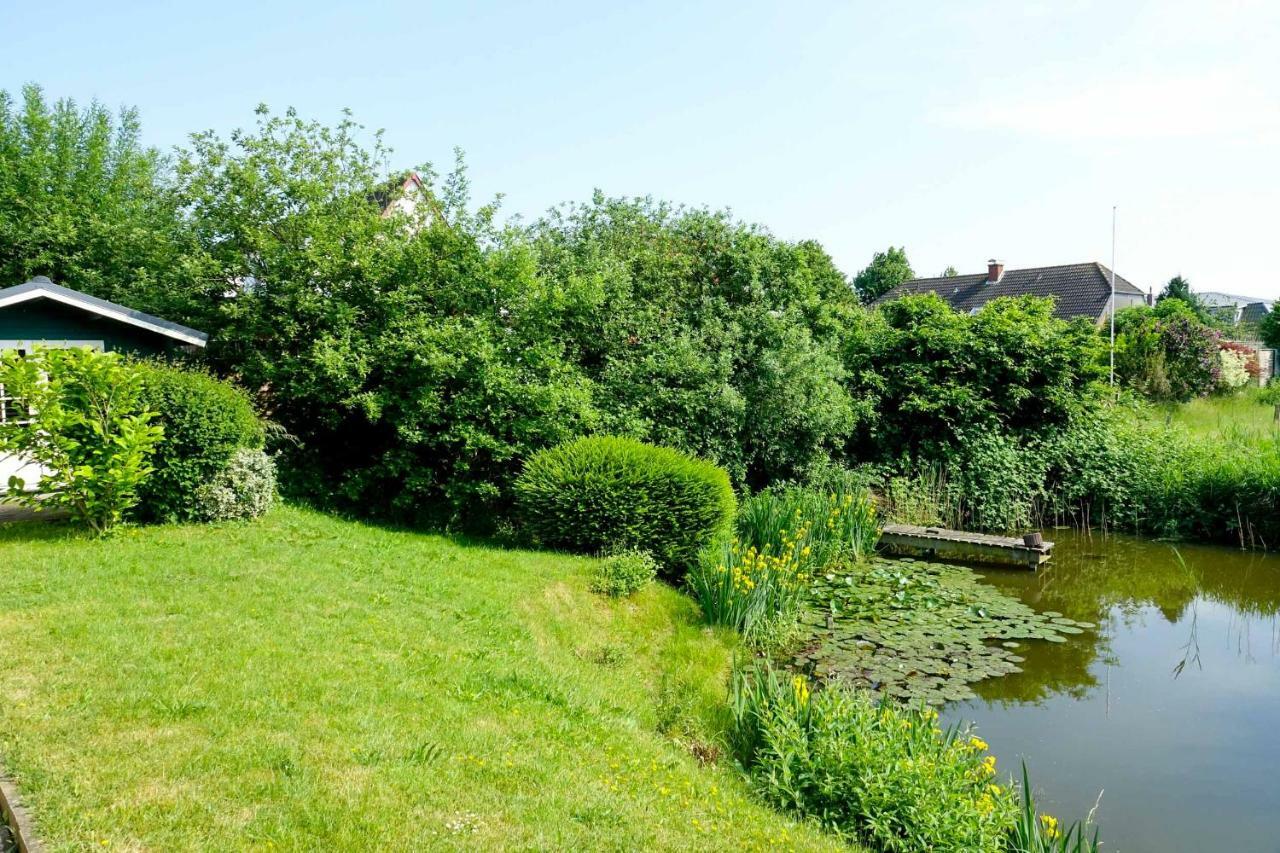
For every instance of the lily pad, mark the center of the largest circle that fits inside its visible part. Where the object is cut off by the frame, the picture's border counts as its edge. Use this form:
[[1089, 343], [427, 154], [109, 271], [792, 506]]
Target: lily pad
[[918, 631]]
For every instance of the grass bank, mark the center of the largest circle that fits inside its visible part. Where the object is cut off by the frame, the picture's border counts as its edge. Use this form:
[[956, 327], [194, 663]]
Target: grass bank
[[308, 682]]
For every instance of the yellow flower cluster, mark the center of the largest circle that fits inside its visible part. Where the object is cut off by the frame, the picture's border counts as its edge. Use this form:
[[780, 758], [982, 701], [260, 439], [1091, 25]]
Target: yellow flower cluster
[[801, 688], [1050, 826], [748, 568], [838, 507]]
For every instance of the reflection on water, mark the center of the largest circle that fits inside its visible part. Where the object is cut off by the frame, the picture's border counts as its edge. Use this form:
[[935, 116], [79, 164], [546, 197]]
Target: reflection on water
[[1171, 708]]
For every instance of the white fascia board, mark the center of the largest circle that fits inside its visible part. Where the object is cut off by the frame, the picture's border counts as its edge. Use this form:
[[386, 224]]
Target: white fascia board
[[101, 311]]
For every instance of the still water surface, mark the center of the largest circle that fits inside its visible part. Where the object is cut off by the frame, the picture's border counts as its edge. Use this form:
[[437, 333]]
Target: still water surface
[[1171, 709]]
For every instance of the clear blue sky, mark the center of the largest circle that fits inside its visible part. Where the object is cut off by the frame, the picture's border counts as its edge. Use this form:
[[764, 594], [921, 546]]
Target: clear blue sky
[[960, 130]]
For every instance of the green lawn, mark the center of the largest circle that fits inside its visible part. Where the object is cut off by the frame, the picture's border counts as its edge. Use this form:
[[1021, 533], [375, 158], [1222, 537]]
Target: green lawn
[[310, 682]]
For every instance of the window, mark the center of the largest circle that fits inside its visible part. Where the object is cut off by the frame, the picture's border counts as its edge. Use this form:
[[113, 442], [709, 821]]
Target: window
[[12, 411]]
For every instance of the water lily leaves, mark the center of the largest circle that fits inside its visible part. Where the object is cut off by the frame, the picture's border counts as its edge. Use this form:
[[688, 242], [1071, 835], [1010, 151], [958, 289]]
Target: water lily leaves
[[919, 631]]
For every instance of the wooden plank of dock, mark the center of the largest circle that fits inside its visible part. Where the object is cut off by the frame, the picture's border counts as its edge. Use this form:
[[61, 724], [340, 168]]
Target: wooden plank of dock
[[960, 544]]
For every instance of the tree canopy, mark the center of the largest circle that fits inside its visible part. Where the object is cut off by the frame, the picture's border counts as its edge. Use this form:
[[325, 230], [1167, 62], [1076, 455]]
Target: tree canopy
[[413, 356], [887, 270]]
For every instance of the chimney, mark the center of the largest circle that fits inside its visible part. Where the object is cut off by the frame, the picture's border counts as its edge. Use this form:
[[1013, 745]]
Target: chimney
[[995, 271]]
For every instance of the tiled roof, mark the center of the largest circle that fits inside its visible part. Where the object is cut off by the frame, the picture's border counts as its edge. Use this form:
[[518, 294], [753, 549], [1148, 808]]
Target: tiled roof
[[1081, 290]]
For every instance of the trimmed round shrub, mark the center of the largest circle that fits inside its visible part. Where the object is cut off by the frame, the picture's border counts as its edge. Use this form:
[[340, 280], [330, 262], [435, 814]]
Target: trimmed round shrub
[[623, 573], [605, 493], [205, 422], [245, 488]]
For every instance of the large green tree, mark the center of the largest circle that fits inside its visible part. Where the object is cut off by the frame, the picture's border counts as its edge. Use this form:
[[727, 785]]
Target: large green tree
[[85, 203], [887, 270], [933, 375], [702, 332]]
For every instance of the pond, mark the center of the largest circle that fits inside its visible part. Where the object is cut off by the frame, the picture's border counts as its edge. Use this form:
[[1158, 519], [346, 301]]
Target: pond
[[1170, 708]]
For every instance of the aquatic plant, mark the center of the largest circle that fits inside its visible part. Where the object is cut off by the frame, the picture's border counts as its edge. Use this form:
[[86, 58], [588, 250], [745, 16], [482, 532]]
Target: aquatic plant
[[755, 590], [917, 631], [839, 521], [1043, 833]]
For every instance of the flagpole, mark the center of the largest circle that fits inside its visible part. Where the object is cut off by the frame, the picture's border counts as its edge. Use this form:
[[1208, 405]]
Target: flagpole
[[1113, 295]]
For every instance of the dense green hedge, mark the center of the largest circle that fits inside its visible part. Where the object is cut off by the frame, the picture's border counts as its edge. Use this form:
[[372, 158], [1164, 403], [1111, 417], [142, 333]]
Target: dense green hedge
[[606, 492], [205, 422]]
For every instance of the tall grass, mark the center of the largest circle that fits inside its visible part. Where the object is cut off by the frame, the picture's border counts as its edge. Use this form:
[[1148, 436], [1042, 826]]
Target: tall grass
[[751, 589], [755, 581], [839, 523], [1042, 833]]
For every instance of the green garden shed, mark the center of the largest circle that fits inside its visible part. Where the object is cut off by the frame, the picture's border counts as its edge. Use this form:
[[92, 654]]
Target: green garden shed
[[41, 313]]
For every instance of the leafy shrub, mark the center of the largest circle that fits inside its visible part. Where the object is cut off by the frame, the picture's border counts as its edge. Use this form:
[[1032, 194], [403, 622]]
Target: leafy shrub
[[887, 778], [245, 488], [90, 430], [930, 372], [605, 493], [1237, 365], [205, 422], [997, 479], [1166, 352], [622, 573]]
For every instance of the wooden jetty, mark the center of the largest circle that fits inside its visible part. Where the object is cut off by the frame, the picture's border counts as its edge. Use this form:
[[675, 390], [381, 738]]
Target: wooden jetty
[[959, 545]]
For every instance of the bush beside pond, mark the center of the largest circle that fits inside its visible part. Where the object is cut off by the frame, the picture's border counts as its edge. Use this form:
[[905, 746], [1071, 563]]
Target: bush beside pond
[[605, 493]]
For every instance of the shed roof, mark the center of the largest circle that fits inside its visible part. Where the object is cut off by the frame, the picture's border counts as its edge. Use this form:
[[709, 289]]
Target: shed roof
[[41, 287]]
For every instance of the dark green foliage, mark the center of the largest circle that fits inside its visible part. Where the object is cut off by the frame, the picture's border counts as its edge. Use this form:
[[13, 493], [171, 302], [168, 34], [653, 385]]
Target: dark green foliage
[[1120, 469], [1180, 289], [604, 493], [702, 333], [932, 374], [995, 479], [1166, 353], [887, 270], [1269, 328], [205, 422]]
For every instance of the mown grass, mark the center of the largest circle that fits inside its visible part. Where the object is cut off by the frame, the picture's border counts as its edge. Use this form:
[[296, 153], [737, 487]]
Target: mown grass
[[310, 682]]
